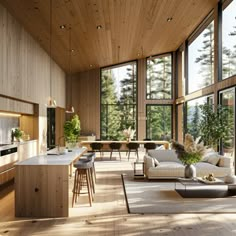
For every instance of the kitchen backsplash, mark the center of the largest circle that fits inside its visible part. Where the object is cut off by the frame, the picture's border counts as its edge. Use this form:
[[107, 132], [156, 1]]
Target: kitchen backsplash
[[6, 125]]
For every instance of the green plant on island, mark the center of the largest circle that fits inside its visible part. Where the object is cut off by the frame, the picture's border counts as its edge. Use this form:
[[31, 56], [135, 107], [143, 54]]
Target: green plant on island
[[72, 129], [192, 150]]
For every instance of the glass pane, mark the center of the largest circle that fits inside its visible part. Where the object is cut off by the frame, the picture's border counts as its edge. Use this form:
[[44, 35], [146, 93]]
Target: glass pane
[[201, 60], [159, 74], [194, 114], [158, 123], [228, 100], [118, 101], [229, 41]]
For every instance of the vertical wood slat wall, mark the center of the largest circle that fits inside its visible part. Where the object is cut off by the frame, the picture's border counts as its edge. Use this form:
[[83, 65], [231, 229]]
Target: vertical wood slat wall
[[25, 66]]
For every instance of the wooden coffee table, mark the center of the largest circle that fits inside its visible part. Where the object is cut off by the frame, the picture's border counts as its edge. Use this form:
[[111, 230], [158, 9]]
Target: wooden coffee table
[[193, 188]]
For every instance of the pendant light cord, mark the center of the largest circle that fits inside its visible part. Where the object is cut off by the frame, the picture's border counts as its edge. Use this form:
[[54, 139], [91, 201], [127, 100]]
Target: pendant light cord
[[70, 66], [50, 45]]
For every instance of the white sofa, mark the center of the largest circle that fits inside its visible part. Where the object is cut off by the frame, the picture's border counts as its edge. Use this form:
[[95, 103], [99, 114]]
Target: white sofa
[[169, 166]]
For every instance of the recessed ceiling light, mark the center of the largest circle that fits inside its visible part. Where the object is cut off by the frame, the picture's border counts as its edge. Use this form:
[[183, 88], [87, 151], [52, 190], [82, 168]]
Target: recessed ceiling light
[[99, 27], [62, 26], [169, 19], [90, 65], [138, 54], [72, 50]]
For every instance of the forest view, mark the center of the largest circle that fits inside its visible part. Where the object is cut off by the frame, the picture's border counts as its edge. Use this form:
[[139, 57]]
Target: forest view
[[118, 101]]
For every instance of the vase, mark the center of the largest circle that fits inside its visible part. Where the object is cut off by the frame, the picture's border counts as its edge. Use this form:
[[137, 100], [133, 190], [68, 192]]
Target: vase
[[190, 171], [128, 140]]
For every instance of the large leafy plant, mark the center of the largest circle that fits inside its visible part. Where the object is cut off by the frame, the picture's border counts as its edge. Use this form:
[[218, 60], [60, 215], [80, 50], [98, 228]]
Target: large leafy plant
[[72, 129], [214, 124]]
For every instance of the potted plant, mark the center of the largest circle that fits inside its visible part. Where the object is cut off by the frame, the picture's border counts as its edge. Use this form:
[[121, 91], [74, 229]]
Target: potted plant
[[72, 131], [189, 153], [17, 134], [215, 125]]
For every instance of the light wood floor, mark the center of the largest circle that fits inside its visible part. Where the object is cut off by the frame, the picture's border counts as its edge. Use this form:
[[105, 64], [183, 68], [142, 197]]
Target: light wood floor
[[108, 215]]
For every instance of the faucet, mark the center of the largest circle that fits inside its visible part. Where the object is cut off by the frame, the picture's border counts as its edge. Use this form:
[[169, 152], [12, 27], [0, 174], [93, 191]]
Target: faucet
[[58, 143]]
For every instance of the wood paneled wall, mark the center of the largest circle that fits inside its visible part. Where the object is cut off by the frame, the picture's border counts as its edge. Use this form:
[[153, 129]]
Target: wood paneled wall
[[25, 66], [25, 73], [85, 94]]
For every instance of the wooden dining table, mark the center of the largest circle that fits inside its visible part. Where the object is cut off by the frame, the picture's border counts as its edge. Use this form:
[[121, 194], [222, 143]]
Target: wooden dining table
[[106, 143]]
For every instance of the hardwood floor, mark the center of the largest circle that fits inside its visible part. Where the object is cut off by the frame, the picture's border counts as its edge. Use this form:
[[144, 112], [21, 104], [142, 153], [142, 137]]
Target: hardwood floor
[[108, 215]]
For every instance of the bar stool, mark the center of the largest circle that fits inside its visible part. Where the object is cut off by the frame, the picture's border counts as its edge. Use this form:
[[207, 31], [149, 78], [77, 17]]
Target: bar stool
[[149, 146], [82, 178], [115, 146], [132, 147], [91, 157]]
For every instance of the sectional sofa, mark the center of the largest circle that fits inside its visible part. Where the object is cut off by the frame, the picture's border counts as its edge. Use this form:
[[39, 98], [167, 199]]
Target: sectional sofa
[[163, 164]]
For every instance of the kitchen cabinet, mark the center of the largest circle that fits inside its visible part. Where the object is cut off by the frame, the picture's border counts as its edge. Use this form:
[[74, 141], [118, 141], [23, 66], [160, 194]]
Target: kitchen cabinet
[[27, 149]]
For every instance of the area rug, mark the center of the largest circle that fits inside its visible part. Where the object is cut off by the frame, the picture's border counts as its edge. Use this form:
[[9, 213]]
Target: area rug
[[159, 197]]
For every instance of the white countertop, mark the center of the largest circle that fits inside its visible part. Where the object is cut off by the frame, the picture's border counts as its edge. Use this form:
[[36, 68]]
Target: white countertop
[[65, 159]]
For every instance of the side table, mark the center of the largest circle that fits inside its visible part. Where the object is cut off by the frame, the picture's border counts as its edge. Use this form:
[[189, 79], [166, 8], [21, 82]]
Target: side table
[[138, 169]]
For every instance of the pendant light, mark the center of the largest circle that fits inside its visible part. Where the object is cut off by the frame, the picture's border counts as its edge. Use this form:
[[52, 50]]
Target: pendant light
[[51, 102], [70, 108]]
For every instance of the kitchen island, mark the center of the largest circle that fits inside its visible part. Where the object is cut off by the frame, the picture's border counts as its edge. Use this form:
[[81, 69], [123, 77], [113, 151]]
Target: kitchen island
[[42, 185]]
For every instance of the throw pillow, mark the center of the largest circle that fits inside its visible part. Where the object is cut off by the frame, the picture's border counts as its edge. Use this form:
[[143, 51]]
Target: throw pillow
[[156, 162], [160, 147], [212, 158]]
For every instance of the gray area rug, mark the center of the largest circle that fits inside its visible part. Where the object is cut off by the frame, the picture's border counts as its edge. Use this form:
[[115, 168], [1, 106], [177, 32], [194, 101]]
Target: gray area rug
[[160, 197]]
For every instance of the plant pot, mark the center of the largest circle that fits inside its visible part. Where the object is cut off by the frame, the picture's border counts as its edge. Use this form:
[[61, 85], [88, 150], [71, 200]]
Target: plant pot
[[71, 145], [190, 171]]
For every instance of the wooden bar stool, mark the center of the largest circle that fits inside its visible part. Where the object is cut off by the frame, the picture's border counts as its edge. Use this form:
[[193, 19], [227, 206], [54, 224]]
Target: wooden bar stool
[[91, 157], [82, 178]]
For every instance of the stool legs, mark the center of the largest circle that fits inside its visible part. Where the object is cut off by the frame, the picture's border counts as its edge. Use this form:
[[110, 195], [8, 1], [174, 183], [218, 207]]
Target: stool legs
[[83, 176]]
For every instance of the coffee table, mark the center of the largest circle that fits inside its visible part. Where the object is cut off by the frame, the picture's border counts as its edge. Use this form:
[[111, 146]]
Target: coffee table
[[193, 188]]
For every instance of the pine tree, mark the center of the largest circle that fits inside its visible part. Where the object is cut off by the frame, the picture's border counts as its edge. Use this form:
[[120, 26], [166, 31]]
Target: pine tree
[[159, 78], [109, 109], [206, 59], [159, 122], [229, 57], [193, 128], [128, 99]]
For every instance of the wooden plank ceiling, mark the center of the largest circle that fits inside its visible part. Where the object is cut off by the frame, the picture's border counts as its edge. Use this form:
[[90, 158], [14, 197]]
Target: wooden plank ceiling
[[131, 29]]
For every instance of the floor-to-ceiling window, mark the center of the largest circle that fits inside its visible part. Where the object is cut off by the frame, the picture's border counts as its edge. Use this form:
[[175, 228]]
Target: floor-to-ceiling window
[[159, 77], [201, 59], [227, 99], [118, 100], [159, 90], [158, 123], [229, 41], [194, 114]]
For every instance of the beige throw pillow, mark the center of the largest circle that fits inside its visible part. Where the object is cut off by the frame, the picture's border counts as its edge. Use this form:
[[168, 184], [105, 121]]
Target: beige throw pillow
[[156, 162], [212, 158]]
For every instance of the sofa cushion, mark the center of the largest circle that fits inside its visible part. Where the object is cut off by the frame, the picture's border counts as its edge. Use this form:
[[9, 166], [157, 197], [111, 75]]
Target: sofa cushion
[[164, 155], [167, 170], [204, 168], [212, 158]]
